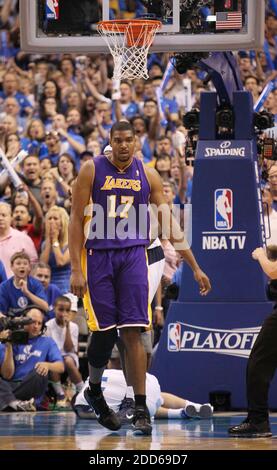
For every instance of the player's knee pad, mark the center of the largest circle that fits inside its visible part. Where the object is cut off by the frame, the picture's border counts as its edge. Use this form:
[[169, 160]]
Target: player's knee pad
[[100, 347]]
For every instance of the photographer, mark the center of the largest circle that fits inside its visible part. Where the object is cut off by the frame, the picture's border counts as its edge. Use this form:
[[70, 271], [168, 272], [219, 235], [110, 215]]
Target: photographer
[[262, 363], [24, 368]]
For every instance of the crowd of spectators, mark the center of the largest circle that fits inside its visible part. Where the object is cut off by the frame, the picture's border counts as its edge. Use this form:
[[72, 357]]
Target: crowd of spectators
[[61, 115]]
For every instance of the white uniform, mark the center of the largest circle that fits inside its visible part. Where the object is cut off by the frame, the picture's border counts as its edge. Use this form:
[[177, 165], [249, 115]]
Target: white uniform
[[155, 272], [114, 390]]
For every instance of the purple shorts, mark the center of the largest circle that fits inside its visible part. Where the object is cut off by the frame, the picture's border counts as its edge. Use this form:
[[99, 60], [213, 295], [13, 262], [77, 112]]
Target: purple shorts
[[117, 294]]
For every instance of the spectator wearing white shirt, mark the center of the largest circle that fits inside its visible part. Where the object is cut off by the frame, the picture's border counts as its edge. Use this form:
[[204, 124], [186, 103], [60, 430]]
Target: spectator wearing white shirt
[[65, 333]]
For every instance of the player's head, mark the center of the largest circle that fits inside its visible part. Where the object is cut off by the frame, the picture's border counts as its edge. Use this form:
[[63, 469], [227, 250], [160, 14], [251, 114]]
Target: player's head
[[122, 141]]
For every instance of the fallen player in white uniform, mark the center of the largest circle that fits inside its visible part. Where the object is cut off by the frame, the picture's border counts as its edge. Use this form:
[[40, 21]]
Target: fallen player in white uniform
[[160, 405]]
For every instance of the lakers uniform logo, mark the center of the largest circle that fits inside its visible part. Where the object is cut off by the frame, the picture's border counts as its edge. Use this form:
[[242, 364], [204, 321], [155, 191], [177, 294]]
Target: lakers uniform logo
[[121, 183]]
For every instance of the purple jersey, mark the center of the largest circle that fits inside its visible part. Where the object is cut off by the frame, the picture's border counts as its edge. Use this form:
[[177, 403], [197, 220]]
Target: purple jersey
[[120, 217]]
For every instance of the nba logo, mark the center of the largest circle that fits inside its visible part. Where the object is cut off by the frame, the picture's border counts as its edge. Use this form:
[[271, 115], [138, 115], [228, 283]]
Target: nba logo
[[52, 9], [223, 208], [174, 337]]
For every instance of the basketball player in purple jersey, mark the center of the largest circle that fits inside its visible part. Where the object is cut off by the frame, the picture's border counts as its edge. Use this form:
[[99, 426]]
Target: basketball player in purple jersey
[[112, 275]]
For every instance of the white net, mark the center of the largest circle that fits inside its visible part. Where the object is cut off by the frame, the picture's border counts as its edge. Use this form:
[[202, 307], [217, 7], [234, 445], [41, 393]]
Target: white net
[[129, 43]]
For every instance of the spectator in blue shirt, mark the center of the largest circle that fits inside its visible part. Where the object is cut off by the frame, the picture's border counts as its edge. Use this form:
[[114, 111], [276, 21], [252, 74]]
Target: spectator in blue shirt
[[42, 272], [21, 289], [71, 142], [54, 250], [24, 368], [10, 88], [3, 276]]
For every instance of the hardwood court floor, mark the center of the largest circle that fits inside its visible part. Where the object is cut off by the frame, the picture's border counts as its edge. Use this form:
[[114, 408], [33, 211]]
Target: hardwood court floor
[[62, 431]]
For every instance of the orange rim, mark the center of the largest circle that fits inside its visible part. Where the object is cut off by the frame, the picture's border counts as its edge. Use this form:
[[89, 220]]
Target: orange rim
[[132, 28]]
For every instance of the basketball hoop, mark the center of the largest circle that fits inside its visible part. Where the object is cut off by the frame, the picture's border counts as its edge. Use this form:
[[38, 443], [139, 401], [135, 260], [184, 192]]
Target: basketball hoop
[[129, 42]]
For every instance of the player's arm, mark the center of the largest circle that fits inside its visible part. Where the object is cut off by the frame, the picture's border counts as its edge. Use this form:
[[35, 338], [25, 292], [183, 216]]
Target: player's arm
[[80, 199], [268, 267], [173, 231]]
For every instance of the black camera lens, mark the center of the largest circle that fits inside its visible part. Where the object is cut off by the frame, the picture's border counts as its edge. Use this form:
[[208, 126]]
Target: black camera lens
[[187, 60], [191, 120], [225, 118], [264, 120]]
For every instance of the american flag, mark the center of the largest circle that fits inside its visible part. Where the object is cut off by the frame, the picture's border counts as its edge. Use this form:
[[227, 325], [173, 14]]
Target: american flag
[[229, 20]]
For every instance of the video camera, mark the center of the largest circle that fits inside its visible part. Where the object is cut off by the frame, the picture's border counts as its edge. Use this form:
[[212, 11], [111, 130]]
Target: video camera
[[191, 121], [267, 148], [184, 61], [16, 326], [263, 120]]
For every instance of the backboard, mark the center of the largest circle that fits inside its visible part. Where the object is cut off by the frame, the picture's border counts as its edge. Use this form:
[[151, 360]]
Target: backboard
[[49, 26]]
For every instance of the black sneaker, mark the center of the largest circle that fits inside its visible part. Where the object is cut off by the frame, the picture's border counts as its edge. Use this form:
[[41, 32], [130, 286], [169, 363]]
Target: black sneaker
[[104, 415], [141, 421], [250, 429], [126, 410], [82, 411]]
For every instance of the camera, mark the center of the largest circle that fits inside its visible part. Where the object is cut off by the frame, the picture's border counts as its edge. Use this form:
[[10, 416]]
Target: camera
[[263, 120], [16, 326], [191, 120], [267, 148], [187, 60], [225, 118]]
